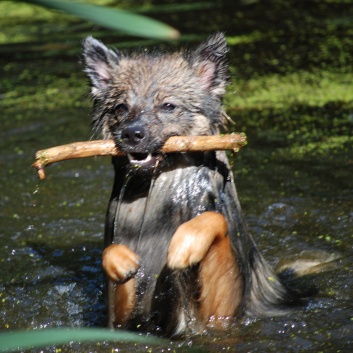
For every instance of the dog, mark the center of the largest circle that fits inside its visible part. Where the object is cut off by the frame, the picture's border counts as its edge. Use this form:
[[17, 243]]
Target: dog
[[178, 257]]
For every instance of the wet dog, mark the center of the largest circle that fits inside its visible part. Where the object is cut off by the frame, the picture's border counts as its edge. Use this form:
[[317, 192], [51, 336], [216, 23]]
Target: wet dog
[[178, 256]]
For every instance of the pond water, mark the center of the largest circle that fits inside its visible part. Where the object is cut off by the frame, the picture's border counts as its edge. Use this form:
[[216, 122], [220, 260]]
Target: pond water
[[51, 231]]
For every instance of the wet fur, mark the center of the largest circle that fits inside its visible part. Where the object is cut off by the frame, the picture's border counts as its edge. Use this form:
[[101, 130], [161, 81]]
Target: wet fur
[[178, 255]]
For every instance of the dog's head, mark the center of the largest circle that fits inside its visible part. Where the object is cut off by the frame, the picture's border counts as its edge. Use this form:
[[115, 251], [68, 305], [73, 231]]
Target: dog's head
[[142, 99]]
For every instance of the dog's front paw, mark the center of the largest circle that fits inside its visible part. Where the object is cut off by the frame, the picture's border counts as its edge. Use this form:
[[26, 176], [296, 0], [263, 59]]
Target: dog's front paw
[[120, 263], [193, 239], [185, 249]]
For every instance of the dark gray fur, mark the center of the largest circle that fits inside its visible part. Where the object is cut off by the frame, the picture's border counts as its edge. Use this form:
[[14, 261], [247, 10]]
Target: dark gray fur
[[148, 205]]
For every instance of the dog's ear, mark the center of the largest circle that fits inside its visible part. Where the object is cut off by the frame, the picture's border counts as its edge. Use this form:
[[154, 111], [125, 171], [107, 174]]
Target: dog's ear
[[209, 60], [99, 61]]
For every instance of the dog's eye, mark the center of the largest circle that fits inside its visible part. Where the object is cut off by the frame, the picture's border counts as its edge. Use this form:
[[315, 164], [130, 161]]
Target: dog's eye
[[168, 107], [121, 108]]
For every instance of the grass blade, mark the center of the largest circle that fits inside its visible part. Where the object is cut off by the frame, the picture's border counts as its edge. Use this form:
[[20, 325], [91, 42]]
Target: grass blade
[[113, 18], [20, 340]]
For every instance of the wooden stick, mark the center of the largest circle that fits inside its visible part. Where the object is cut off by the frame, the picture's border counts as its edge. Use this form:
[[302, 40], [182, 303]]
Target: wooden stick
[[174, 144]]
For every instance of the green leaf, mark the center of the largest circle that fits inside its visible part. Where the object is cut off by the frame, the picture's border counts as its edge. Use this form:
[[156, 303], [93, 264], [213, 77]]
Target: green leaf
[[20, 340], [113, 18]]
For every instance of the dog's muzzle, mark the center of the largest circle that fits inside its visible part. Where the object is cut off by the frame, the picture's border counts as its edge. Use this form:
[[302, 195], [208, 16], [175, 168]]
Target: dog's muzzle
[[134, 139]]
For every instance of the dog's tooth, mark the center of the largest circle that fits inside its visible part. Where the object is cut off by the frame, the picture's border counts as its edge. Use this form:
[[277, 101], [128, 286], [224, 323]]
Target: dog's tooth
[[130, 157]]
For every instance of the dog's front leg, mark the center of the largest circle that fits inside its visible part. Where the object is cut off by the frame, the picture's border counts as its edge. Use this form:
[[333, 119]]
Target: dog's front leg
[[193, 239], [204, 240], [120, 265]]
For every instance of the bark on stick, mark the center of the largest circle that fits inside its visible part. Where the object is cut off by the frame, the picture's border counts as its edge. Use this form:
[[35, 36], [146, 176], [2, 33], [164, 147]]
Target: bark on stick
[[174, 144]]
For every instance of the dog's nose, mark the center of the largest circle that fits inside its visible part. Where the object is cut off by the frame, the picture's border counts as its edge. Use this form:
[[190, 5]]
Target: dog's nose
[[133, 135]]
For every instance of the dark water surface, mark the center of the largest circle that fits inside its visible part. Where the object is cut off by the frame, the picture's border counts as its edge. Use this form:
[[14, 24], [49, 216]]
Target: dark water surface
[[51, 231]]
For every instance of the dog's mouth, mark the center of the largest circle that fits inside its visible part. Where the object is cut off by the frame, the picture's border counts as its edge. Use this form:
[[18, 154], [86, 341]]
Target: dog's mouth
[[145, 160]]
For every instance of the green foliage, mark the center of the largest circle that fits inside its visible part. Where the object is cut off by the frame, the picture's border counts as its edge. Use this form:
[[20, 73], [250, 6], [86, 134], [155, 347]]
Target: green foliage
[[20, 340], [291, 77], [113, 18]]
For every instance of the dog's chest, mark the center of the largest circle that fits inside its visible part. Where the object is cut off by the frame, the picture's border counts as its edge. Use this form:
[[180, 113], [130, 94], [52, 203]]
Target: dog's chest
[[146, 223]]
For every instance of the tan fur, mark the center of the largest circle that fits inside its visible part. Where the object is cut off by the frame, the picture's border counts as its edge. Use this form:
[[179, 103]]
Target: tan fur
[[204, 239], [119, 262], [125, 301], [192, 240], [221, 285]]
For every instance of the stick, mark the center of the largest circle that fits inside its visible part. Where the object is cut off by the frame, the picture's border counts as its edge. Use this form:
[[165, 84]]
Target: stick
[[108, 148]]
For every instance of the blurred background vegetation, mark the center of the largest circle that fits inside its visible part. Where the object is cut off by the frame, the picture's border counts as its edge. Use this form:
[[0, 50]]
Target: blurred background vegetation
[[290, 62]]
